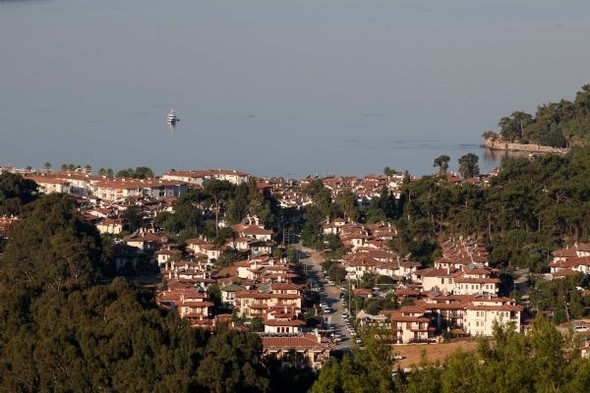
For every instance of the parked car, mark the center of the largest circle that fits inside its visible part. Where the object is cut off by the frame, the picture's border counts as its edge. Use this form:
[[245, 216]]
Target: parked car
[[581, 328]]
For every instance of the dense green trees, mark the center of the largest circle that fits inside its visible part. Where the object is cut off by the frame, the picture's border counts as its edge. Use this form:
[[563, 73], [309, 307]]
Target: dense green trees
[[559, 124], [101, 338], [345, 206], [15, 191], [111, 338], [562, 296], [229, 256], [376, 304], [368, 370], [108, 172], [512, 127], [380, 209], [232, 363], [320, 210], [133, 217], [141, 172], [62, 329], [199, 212], [532, 207], [545, 360], [52, 248], [334, 270]]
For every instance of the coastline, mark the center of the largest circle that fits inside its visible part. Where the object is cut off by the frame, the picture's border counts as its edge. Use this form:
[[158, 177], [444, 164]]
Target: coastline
[[522, 147]]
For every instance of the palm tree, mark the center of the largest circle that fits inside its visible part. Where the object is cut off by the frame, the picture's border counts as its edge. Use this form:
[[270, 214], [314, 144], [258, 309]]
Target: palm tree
[[469, 166]]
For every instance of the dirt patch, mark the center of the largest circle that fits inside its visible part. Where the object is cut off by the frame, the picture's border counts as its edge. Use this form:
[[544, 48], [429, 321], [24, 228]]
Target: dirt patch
[[434, 352], [229, 271], [567, 327], [316, 256]]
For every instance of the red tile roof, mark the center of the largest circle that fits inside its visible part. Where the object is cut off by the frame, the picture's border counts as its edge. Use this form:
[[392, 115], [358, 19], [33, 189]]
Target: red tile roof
[[278, 322], [302, 342]]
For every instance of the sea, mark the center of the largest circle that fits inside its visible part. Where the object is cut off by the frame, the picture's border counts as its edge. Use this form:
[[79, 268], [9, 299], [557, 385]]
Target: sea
[[275, 88]]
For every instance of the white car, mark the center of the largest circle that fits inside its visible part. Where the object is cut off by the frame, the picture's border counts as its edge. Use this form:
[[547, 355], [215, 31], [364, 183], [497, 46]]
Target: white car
[[581, 328]]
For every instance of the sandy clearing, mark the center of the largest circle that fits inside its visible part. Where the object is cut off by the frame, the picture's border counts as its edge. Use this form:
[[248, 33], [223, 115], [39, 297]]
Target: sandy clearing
[[434, 352]]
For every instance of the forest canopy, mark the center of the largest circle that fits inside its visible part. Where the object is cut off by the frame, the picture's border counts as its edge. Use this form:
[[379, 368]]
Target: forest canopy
[[558, 124], [65, 326]]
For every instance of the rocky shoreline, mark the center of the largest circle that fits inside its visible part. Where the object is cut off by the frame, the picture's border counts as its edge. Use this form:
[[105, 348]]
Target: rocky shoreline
[[522, 147]]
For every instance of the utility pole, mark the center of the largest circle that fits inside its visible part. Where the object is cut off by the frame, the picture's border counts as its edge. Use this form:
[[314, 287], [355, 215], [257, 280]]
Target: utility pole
[[349, 293], [283, 222]]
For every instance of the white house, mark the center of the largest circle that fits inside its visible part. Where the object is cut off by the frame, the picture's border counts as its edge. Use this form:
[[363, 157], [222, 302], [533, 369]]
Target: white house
[[476, 281], [442, 280], [202, 177], [482, 313]]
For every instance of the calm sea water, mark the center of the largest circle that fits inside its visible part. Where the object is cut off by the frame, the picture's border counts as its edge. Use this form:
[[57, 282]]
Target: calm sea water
[[276, 88]]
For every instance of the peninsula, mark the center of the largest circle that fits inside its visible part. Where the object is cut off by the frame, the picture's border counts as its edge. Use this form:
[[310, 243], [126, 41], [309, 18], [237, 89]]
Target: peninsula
[[555, 128]]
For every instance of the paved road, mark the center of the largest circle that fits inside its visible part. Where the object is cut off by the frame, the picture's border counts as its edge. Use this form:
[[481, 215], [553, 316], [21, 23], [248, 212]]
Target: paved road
[[329, 294]]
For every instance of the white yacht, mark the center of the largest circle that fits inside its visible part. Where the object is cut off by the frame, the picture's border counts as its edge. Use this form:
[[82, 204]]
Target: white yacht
[[172, 117]]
